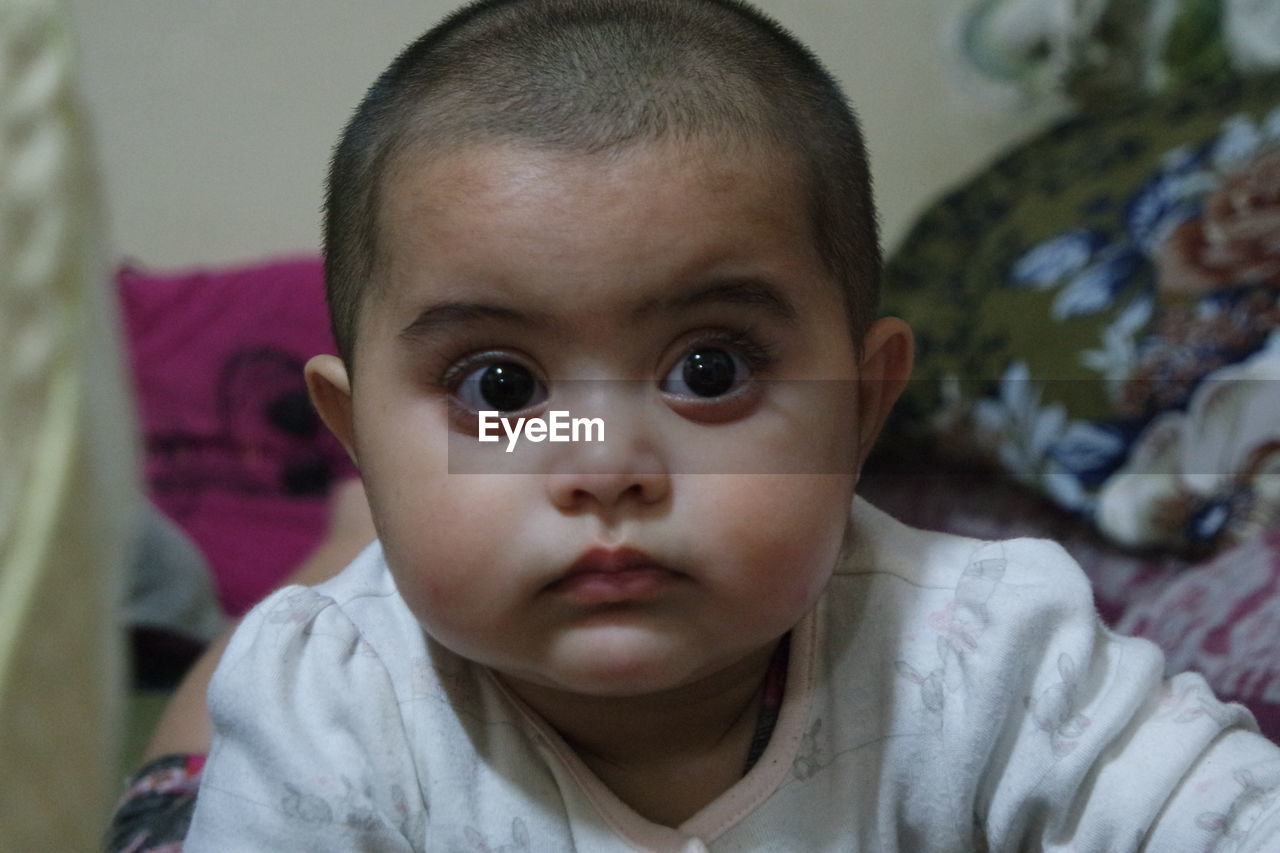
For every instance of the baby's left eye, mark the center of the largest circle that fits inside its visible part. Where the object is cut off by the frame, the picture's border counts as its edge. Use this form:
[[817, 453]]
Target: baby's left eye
[[706, 373]]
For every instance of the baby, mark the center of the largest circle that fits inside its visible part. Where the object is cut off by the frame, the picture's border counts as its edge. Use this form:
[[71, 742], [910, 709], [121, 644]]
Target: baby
[[690, 635]]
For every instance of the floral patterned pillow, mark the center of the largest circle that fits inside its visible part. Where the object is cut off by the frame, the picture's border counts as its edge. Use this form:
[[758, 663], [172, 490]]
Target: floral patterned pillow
[[1099, 314]]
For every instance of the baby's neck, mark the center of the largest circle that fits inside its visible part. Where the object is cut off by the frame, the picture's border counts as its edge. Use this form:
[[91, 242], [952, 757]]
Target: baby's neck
[[666, 755]]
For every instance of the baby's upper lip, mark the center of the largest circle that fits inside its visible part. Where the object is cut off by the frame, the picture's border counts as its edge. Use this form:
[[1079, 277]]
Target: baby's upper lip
[[610, 561]]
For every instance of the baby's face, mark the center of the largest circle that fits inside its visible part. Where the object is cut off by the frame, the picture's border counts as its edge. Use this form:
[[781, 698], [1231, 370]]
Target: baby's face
[[674, 292]]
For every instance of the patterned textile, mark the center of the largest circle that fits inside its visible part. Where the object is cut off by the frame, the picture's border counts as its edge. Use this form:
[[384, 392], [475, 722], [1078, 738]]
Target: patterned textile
[[1098, 314], [1099, 48], [1222, 619], [155, 811]]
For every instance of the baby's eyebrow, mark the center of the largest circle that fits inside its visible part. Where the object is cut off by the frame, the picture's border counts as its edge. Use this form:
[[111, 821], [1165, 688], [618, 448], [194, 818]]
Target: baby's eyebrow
[[442, 315], [746, 292], [749, 292]]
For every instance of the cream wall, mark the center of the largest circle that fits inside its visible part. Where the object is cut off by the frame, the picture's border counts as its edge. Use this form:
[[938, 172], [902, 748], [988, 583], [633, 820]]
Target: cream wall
[[215, 120]]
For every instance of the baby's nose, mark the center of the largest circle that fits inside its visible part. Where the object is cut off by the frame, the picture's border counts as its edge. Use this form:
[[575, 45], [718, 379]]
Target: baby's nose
[[625, 466]]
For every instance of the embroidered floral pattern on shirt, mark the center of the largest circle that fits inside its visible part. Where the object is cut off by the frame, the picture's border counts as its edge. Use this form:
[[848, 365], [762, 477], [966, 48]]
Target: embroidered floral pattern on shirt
[[1054, 710], [519, 839], [1260, 789], [1187, 703], [297, 608], [958, 626], [811, 756], [352, 811]]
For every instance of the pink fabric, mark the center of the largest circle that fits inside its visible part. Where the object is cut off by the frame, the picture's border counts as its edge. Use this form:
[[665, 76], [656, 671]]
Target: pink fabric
[[234, 452], [1222, 619]]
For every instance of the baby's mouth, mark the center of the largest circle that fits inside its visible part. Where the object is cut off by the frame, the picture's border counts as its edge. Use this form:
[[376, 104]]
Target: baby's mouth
[[611, 576]]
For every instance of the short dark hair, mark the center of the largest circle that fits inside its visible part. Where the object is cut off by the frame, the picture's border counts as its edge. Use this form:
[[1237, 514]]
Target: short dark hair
[[596, 75]]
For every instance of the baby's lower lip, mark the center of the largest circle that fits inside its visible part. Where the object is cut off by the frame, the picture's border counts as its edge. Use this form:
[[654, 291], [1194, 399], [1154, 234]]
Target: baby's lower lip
[[612, 587]]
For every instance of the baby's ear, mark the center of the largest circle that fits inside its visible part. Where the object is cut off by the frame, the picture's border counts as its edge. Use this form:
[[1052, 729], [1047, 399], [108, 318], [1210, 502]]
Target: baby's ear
[[888, 351], [330, 389]]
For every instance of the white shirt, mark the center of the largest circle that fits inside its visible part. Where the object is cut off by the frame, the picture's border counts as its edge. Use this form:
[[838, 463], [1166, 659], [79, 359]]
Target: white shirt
[[946, 694]]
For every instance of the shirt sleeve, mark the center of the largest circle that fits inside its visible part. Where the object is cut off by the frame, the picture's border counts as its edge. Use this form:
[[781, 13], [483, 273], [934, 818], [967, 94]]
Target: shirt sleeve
[[309, 750], [1096, 750]]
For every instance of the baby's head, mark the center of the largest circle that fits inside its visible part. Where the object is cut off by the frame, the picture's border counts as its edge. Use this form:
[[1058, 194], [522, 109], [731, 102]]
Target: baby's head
[[593, 77], [655, 212]]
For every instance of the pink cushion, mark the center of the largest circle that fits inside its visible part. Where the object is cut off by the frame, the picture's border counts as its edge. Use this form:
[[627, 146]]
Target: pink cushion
[[234, 452]]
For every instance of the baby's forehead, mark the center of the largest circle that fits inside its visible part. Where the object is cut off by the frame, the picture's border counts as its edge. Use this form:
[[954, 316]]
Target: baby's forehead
[[430, 175], [416, 156], [667, 211], [433, 182], [513, 236]]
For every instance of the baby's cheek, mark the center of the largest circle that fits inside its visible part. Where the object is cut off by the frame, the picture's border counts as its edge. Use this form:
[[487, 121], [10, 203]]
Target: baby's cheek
[[789, 530], [434, 593], [423, 586], [804, 572], [440, 559], [450, 607]]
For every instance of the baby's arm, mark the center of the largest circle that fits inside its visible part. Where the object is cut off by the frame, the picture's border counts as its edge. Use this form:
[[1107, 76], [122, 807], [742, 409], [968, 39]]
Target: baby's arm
[[1096, 750], [309, 750], [184, 727]]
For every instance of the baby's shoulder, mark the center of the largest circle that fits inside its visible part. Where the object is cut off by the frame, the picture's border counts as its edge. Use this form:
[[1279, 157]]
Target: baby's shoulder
[[355, 618], [1030, 572]]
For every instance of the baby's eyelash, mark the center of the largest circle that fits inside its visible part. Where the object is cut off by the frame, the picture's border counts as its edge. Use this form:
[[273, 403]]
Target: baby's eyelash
[[458, 368], [759, 354]]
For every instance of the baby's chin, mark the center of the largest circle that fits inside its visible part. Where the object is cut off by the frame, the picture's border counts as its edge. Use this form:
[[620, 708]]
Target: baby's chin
[[617, 662]]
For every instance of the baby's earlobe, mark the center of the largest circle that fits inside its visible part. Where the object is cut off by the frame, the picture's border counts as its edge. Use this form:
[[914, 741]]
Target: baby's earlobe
[[329, 385]]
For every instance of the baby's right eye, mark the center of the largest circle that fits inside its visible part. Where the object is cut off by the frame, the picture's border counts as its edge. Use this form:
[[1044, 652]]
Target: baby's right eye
[[502, 386]]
